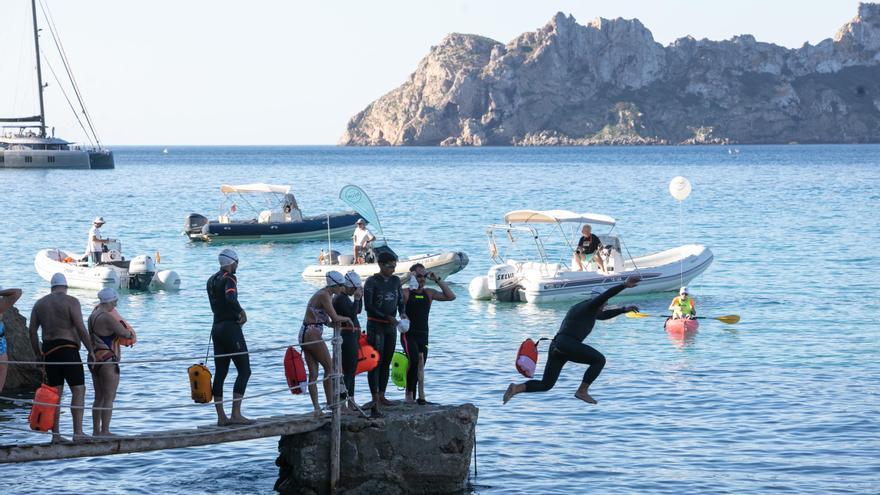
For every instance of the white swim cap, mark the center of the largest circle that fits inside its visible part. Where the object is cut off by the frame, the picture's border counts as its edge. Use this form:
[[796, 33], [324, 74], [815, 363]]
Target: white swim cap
[[58, 280], [227, 257], [98, 220], [683, 291], [334, 278], [107, 294], [352, 279]]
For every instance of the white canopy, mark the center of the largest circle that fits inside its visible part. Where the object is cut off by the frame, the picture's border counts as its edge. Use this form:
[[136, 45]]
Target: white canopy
[[554, 216], [254, 188]]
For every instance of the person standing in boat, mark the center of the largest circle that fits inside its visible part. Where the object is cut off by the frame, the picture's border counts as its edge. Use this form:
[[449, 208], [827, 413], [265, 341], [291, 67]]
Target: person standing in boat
[[105, 331], [8, 298], [60, 318], [228, 338], [588, 250], [568, 344], [683, 305], [350, 303], [96, 244], [362, 239], [418, 301], [383, 300]]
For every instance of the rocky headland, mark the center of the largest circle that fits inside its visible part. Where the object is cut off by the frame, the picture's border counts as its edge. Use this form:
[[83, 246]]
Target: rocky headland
[[609, 82]]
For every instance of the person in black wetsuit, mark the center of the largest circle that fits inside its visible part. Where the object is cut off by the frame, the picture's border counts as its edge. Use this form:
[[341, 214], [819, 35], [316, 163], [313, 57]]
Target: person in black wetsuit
[[383, 300], [228, 338], [568, 344], [418, 301], [350, 303]]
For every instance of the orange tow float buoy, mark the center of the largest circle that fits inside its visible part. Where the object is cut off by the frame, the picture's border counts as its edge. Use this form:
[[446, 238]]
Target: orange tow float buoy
[[368, 357], [42, 417], [200, 383], [295, 371]]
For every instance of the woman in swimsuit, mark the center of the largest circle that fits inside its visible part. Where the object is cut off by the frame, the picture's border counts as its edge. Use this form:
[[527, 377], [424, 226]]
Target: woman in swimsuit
[[320, 312], [105, 330]]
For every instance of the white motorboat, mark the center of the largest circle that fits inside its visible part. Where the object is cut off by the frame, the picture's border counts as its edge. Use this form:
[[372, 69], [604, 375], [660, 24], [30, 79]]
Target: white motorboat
[[114, 271], [541, 280], [443, 264]]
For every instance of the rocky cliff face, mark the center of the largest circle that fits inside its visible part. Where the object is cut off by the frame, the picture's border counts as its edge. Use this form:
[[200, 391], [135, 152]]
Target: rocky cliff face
[[19, 377], [609, 82]]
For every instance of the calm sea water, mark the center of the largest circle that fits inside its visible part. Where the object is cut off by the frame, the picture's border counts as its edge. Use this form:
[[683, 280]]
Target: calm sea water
[[787, 401]]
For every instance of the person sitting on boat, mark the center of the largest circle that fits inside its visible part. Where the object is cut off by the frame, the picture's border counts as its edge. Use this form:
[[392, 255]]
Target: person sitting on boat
[[683, 305], [363, 240], [291, 210], [588, 250], [96, 244]]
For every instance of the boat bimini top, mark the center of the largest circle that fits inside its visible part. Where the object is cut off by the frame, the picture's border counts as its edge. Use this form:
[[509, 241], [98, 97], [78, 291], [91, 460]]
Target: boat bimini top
[[556, 216], [254, 188]]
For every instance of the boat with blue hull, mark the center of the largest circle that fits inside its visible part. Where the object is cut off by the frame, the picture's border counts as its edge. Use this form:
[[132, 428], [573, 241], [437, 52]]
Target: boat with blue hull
[[280, 219]]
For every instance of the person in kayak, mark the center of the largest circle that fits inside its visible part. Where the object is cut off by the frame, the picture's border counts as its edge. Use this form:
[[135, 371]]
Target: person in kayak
[[683, 305], [383, 300], [418, 301], [228, 338], [568, 344]]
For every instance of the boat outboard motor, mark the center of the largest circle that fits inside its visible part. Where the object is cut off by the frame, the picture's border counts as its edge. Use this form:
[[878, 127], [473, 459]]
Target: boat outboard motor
[[141, 271], [503, 283], [194, 222]]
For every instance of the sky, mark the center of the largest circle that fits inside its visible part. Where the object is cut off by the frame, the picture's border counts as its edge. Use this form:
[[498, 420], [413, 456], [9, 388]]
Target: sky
[[218, 72]]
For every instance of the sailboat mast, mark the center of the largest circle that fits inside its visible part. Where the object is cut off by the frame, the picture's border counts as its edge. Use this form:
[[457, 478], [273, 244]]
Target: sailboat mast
[[39, 70]]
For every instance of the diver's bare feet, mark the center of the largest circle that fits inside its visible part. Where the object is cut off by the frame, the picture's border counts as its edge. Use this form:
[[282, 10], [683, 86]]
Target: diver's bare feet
[[240, 420], [56, 438], [80, 437], [223, 421], [385, 402], [317, 413], [511, 391], [586, 397]]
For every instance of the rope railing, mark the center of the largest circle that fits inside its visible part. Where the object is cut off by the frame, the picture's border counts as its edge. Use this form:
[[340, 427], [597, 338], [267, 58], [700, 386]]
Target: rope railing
[[164, 360]]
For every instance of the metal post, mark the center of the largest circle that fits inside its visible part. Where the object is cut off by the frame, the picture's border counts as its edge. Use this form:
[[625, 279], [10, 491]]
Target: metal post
[[336, 422], [39, 70]]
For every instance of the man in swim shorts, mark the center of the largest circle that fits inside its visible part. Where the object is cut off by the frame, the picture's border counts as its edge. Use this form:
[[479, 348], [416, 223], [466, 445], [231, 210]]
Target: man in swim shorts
[[383, 300], [60, 317], [228, 338], [568, 344]]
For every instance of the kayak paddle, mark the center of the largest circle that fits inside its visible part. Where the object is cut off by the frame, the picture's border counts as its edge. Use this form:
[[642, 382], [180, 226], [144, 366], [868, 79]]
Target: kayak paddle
[[729, 319]]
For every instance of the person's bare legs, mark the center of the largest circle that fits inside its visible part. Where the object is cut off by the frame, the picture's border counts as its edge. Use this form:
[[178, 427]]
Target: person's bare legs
[[422, 377], [3, 359], [56, 431], [312, 365], [583, 395], [77, 399], [322, 355], [513, 389], [109, 384], [97, 418]]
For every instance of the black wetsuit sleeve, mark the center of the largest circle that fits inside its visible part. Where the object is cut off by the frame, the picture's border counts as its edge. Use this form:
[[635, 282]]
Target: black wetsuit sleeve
[[357, 306], [230, 292], [591, 306], [610, 313], [401, 307], [373, 309]]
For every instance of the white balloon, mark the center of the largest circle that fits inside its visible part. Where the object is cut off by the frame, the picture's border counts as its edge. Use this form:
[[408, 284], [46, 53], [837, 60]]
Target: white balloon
[[680, 188]]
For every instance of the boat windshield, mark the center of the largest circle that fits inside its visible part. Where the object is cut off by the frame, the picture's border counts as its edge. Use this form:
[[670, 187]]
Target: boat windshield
[[549, 242]]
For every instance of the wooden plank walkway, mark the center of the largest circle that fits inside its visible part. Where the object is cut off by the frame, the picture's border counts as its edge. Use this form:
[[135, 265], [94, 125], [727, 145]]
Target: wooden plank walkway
[[273, 426]]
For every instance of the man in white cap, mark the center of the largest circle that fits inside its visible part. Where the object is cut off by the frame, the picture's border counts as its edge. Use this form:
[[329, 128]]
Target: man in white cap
[[683, 306], [362, 239], [350, 303], [228, 338], [95, 245], [60, 317]]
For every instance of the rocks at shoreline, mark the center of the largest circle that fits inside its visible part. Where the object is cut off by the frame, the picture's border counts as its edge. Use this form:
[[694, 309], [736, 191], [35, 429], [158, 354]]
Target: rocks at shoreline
[[609, 82], [19, 377], [413, 449]]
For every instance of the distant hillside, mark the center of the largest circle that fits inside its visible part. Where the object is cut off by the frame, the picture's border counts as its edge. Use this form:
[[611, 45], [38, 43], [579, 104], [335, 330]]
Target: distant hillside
[[609, 82]]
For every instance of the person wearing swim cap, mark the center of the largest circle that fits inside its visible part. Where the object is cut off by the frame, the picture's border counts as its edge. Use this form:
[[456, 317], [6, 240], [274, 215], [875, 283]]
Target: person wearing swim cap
[[320, 312], [96, 244], [8, 298], [683, 305], [383, 300], [350, 302], [362, 239], [418, 301], [104, 331], [568, 344], [228, 338], [60, 318]]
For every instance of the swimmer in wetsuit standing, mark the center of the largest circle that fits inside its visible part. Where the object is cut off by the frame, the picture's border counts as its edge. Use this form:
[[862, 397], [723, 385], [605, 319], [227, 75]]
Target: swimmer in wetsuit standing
[[228, 338], [568, 344]]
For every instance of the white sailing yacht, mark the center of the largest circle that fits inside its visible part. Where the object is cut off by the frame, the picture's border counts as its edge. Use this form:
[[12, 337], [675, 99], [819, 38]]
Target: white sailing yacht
[[24, 142]]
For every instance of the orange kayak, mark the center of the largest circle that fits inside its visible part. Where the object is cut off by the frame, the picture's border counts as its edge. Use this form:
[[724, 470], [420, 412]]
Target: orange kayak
[[682, 326]]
